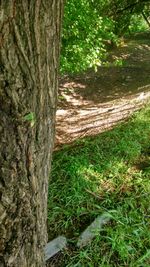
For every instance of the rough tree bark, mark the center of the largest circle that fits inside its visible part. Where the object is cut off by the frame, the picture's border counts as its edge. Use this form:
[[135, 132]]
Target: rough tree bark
[[29, 42]]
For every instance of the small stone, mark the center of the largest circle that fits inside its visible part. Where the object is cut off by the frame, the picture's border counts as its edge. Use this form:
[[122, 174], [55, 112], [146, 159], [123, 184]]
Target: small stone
[[93, 229], [55, 246]]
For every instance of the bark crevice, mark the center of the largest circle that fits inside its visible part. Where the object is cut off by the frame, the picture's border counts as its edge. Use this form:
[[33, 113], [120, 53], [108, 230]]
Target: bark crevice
[[28, 86]]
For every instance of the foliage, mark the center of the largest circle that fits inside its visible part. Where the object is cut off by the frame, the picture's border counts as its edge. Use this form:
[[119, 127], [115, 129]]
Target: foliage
[[115, 167], [83, 36], [90, 25], [137, 24]]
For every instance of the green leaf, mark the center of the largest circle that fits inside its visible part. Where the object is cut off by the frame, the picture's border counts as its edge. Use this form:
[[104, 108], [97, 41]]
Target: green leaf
[[30, 117]]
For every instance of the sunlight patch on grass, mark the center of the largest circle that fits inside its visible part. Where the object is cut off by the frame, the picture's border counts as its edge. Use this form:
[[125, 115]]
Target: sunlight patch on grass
[[109, 173]]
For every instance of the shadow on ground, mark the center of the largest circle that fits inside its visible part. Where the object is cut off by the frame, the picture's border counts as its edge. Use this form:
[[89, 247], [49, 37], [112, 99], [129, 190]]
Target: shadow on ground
[[96, 101], [107, 173]]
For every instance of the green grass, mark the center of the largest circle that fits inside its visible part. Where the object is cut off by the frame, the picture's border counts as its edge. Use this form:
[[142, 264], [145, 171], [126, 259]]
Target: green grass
[[115, 167]]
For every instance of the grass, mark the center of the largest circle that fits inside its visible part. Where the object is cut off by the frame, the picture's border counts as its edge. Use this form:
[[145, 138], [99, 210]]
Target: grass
[[109, 172]]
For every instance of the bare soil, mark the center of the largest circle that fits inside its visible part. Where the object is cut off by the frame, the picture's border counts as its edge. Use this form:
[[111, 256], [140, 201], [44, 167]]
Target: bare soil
[[93, 102]]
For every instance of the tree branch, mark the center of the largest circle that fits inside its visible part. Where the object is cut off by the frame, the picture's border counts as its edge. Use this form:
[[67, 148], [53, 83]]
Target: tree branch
[[131, 6], [146, 19]]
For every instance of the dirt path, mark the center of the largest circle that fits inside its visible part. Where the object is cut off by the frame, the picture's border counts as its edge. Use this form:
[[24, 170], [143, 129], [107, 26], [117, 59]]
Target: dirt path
[[94, 102]]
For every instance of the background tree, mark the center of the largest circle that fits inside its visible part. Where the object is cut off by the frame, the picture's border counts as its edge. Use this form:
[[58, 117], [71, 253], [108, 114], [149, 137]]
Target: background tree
[[122, 13], [90, 25], [30, 41]]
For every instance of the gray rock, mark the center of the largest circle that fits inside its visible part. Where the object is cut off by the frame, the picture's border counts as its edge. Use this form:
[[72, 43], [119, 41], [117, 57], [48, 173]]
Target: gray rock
[[93, 229], [55, 246]]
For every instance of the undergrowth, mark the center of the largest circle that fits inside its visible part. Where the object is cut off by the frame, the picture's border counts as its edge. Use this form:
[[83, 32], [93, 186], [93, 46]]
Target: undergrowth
[[109, 172]]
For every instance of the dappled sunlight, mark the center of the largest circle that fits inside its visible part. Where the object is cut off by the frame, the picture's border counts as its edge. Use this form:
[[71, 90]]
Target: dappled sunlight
[[116, 177], [91, 120], [107, 173], [91, 103], [74, 99], [73, 85]]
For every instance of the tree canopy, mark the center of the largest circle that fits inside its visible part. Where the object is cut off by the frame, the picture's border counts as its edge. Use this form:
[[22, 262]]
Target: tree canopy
[[90, 25]]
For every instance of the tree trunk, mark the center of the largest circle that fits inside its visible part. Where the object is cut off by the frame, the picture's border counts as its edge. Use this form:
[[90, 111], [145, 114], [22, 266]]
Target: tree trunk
[[29, 42], [146, 19]]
